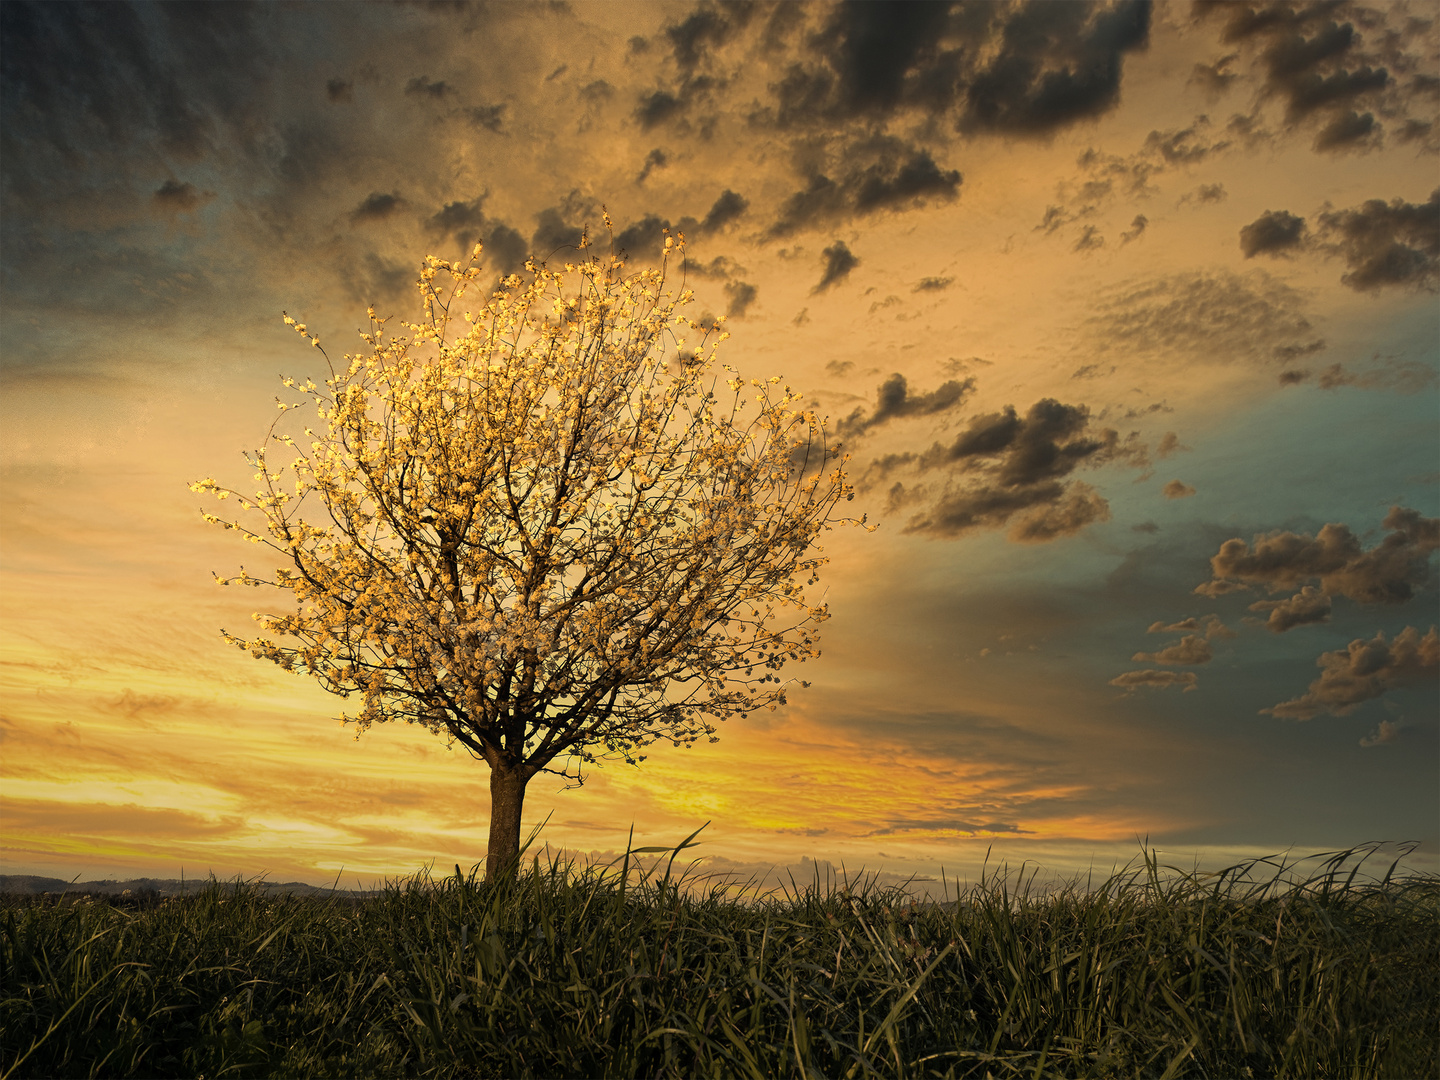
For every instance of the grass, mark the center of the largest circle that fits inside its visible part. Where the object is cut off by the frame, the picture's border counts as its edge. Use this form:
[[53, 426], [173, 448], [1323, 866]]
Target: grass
[[571, 971]]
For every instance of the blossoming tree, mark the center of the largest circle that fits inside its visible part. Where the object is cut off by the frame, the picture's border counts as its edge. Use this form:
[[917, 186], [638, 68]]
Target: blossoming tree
[[542, 525]]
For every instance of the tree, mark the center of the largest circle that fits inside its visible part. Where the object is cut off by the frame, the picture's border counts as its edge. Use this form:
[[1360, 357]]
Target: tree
[[552, 536]]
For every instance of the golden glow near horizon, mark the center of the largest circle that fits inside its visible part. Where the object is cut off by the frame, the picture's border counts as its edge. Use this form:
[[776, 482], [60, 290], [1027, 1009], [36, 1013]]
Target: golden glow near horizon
[[1221, 283]]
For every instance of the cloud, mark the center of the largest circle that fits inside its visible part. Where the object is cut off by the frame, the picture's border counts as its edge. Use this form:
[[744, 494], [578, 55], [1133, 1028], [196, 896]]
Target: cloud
[[933, 284], [489, 117], [1364, 671], [1406, 376], [421, 86], [377, 207], [1213, 78], [1004, 468], [1175, 489], [1079, 506], [898, 177], [838, 368], [1203, 317], [1273, 232], [894, 400], [1325, 72], [1057, 63], [173, 197], [1210, 625], [340, 91], [1385, 732], [656, 159], [1155, 680], [1395, 243], [838, 263], [742, 294], [1191, 649], [1206, 193], [724, 210], [1169, 446], [1089, 239], [1309, 606], [1349, 131], [1388, 573]]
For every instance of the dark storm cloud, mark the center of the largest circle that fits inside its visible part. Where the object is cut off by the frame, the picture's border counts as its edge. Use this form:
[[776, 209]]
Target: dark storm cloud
[[1307, 607], [1394, 243], [1155, 680], [725, 209], [894, 400], [505, 249], [1192, 649], [1199, 317], [1007, 469], [656, 159], [657, 107], [1273, 232], [119, 73], [839, 261], [742, 294], [897, 178], [1058, 63], [1387, 573], [1383, 244], [1030, 68], [1326, 72], [1364, 671], [1349, 129], [377, 206]]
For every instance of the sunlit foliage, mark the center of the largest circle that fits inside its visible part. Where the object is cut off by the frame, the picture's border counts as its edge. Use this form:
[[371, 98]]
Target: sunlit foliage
[[541, 524]]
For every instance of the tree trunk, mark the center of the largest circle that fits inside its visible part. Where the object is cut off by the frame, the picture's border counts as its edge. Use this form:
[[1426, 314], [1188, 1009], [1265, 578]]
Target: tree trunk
[[507, 797]]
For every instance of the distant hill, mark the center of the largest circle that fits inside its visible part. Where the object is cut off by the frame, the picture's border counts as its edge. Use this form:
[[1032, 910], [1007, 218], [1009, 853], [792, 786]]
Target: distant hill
[[30, 885]]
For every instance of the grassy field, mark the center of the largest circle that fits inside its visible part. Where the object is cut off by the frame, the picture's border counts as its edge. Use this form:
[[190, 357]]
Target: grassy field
[[575, 972]]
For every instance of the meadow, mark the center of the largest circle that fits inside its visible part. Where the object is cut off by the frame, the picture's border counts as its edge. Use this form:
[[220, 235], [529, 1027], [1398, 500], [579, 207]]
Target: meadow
[[641, 970]]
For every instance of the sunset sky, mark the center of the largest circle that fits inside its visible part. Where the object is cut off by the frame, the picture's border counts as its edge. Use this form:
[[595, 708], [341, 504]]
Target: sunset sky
[[1185, 255]]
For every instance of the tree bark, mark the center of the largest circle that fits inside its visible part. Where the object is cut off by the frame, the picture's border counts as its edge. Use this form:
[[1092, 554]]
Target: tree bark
[[507, 797]]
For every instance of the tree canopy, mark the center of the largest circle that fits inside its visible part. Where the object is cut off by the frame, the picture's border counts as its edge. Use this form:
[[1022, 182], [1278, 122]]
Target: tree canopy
[[542, 523]]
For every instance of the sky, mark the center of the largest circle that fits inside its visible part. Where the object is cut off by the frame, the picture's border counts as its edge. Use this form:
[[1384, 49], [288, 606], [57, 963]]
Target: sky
[[1126, 313]]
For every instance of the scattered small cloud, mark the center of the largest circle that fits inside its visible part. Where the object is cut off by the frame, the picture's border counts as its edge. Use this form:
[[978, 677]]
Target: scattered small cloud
[[933, 284], [1385, 732], [839, 261], [742, 294], [1156, 680], [173, 197], [1274, 232], [1191, 649], [893, 400], [1169, 446], [377, 207], [422, 86], [340, 91]]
